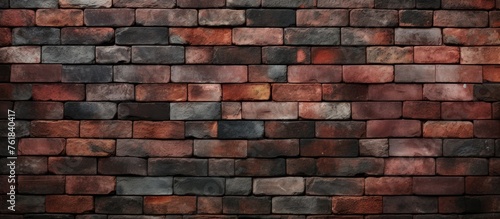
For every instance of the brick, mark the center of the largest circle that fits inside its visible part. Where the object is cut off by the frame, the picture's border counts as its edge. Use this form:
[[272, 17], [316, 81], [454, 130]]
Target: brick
[[220, 148], [72, 165], [199, 55], [267, 73], [20, 54], [448, 92], [91, 216], [351, 129], [378, 186], [334, 186], [204, 92], [106, 129], [221, 17], [32, 73], [199, 129], [41, 184], [32, 165], [210, 205], [345, 92], [89, 110], [29, 204], [415, 18], [90, 147], [68, 54], [144, 185], [43, 216], [4, 73], [60, 128], [445, 129], [285, 55], [376, 110], [221, 167], [486, 128], [410, 204], [346, 4], [243, 3], [87, 184], [357, 205], [459, 73], [44, 110], [368, 73], [157, 54], [58, 92], [260, 167], [68, 204], [141, 73], [296, 92], [496, 110], [486, 92], [118, 204], [328, 148], [199, 186], [468, 204], [451, 18], [324, 110], [195, 111], [122, 166], [367, 36], [257, 36], [34, 4], [469, 110], [240, 129], [461, 4], [312, 36], [350, 166], [109, 17], [239, 186], [322, 17], [200, 36], [161, 92], [415, 147], [301, 166], [373, 18], [238, 92], [289, 129], [396, 4], [301, 205], [144, 4], [41, 146], [479, 55], [374, 147], [34, 36], [166, 17], [6, 37], [236, 55], [415, 73], [268, 148], [153, 148], [389, 55], [22, 129], [246, 205], [84, 35], [158, 130], [59, 17], [179, 166], [395, 92], [436, 54], [17, 17], [87, 73], [200, 4], [482, 185], [461, 36], [438, 185], [393, 128], [410, 166], [287, 4], [461, 166], [320, 73], [269, 110], [270, 17], [209, 74], [278, 186], [494, 19], [420, 36], [85, 4], [491, 73], [338, 55], [141, 35], [109, 92]]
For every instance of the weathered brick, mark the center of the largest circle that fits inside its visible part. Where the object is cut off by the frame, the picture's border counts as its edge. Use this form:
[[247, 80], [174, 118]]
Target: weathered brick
[[268, 148], [461, 166], [270, 17], [68, 54], [144, 3], [328, 148], [420, 36], [38, 110], [393, 128], [60, 128], [331, 129], [373, 18], [221, 17], [199, 54], [68, 204], [72, 165], [240, 129], [90, 184], [496, 111], [482, 185], [199, 186], [324, 110], [166, 17], [296, 92], [378, 186], [177, 166], [59, 17], [346, 4], [376, 110], [34, 4], [144, 185], [238, 92], [90, 147], [374, 147], [158, 130], [200, 4], [334, 186], [118, 204], [158, 54], [410, 166], [32, 165], [286, 55], [209, 74], [195, 111], [451, 18], [87, 73], [200, 36], [462, 4], [345, 92], [269, 110], [368, 73], [367, 36], [44, 216], [415, 18], [468, 110], [220, 148], [41, 146], [468, 147], [320, 73], [141, 35], [35, 36], [479, 55], [236, 55], [312, 36], [28, 204], [210, 205], [36, 73], [41, 184], [486, 92], [421, 110], [257, 36], [486, 128], [109, 17], [278, 186], [469, 204], [322, 17], [20, 54], [260, 167], [246, 205], [267, 73], [448, 129], [301, 166], [494, 19], [357, 205], [153, 148], [396, 4], [491, 73], [221, 167], [106, 129], [204, 92], [350, 166], [389, 55], [238, 186], [395, 92], [438, 185], [415, 147], [109, 92], [85, 35], [436, 54], [161, 92], [289, 129], [415, 73], [410, 204], [85, 4], [459, 73], [122, 166], [243, 3], [448, 92], [287, 3], [141, 73], [89, 110], [301, 205], [17, 17], [170, 204], [462, 36], [338, 55], [6, 37]]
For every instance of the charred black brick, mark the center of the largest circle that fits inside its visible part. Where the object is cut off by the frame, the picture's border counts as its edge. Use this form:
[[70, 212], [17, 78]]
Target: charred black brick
[[286, 55], [199, 186], [270, 17], [122, 166], [144, 111], [469, 147], [118, 205], [89, 110], [177, 166], [236, 55], [141, 35], [487, 92], [241, 129], [87, 73]]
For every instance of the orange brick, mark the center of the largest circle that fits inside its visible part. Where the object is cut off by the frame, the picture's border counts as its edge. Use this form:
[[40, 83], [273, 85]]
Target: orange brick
[[169, 204], [90, 147], [357, 205], [59, 17], [161, 92], [368, 73], [68, 204], [491, 73], [296, 92], [165, 130], [238, 92], [200, 36], [480, 55], [437, 54], [445, 129], [204, 92], [58, 92]]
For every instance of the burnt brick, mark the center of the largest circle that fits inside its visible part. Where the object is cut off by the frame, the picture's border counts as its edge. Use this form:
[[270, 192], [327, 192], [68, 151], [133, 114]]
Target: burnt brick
[[112, 54], [35, 36], [87, 35], [72, 165], [374, 18], [410, 204], [328, 148], [273, 148], [68, 54], [312, 36], [236, 55], [270, 17], [287, 3], [240, 129], [246, 205], [395, 4], [144, 111], [109, 17], [141, 35], [144, 185], [118, 204], [334, 186], [301, 205], [260, 167], [166, 17], [468, 147], [195, 111], [89, 110], [38, 110], [415, 18], [428, 4], [41, 184], [85, 4], [177, 166], [87, 73], [144, 3], [338, 55], [350, 166], [487, 92], [158, 54], [122, 166], [199, 186], [221, 167], [289, 129], [286, 55], [238, 186], [34, 4]]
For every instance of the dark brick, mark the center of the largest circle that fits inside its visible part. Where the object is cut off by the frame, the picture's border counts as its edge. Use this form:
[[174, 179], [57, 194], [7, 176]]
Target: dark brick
[[482, 185], [461, 166], [109, 17], [410, 204], [456, 18], [195, 111], [49, 216], [144, 185], [394, 4], [200, 4], [415, 18], [85, 4], [33, 4], [418, 36], [199, 186], [89, 110], [141, 73], [338, 55], [166, 17], [464, 4], [221, 167], [487, 92], [30, 203], [267, 73], [118, 204], [41, 184], [302, 205], [374, 18], [36, 73], [468, 147], [301, 166], [312, 36], [246, 205], [289, 129], [158, 54], [177, 166], [32, 165], [270, 17], [367, 36], [144, 111], [243, 3], [72, 165], [113, 54], [4, 73], [68, 54], [350, 166], [238, 186], [87, 73], [334, 186], [287, 3], [343, 92], [260, 167], [220, 148], [340, 129], [144, 3], [236, 55], [286, 55], [122, 166], [109, 92], [38, 110], [240, 129], [87, 35], [428, 4], [468, 204], [141, 35], [201, 129], [268, 148], [35, 36], [23, 128], [328, 148]]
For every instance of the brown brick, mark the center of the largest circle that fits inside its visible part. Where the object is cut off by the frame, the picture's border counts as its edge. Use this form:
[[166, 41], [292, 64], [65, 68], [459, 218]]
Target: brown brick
[[6, 37], [451, 18], [301, 166], [158, 130], [41, 184], [32, 165], [72, 165], [61, 128], [410, 166], [448, 92], [389, 55], [482, 185], [220, 148], [85, 4], [41, 146], [311, 74], [221, 167], [463, 36], [267, 73], [268, 148], [296, 92], [200, 4], [200, 36], [410, 204], [461, 166], [239, 92], [286, 55], [328, 148], [486, 128], [338, 55], [246, 205], [209, 74], [17, 17], [154, 148], [278, 186], [418, 36], [463, 4], [415, 147], [373, 18], [494, 19], [36, 73], [344, 92], [357, 205], [438, 185], [258, 36], [468, 110], [269, 110], [58, 92], [122, 166], [289, 129], [90, 184], [393, 128], [398, 186], [109, 17], [113, 92], [346, 4], [161, 92], [436, 54], [68, 204], [166, 17], [322, 17], [374, 147], [395, 92], [376, 110], [90, 147], [443, 129], [459, 73], [347, 129], [421, 110], [59, 17], [204, 92], [479, 55], [368, 73], [210, 205], [259, 167], [231, 110], [106, 129], [350, 166]]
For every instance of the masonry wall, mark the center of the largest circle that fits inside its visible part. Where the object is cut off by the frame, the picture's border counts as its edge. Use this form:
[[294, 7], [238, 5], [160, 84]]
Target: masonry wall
[[170, 109]]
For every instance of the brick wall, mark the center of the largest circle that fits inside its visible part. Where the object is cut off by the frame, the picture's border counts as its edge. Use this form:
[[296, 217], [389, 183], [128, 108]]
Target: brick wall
[[169, 109]]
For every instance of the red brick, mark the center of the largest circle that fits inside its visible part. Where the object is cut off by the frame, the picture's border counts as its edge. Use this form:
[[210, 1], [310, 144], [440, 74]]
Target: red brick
[[90, 185], [451, 129], [200, 36], [161, 92], [357, 205], [350, 166], [464, 36], [58, 92], [376, 110], [389, 55], [41, 184], [353, 92], [260, 167], [487, 128], [450, 18], [169, 204], [410, 166], [323, 110], [154, 148], [269, 110], [393, 128], [438, 185], [496, 111], [464, 4], [322, 17], [90, 147], [495, 18], [158, 130], [17, 17], [200, 3], [59, 17], [144, 3], [448, 92], [231, 110], [41, 146], [491, 73], [220, 148], [461, 166], [373, 18], [209, 74], [317, 73], [347, 129], [204, 92], [459, 73], [388, 186], [479, 55], [367, 36], [296, 92], [20, 54], [415, 73], [268, 148], [87, 35], [289, 129], [239, 92], [36, 73], [199, 55], [5, 37], [39, 110], [258, 36], [106, 129], [69, 204], [166, 17], [109, 17], [328, 148], [368, 73], [395, 92], [495, 165], [210, 205], [437, 54], [465, 110], [338, 55], [415, 147], [301, 166], [61, 128], [482, 185]]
